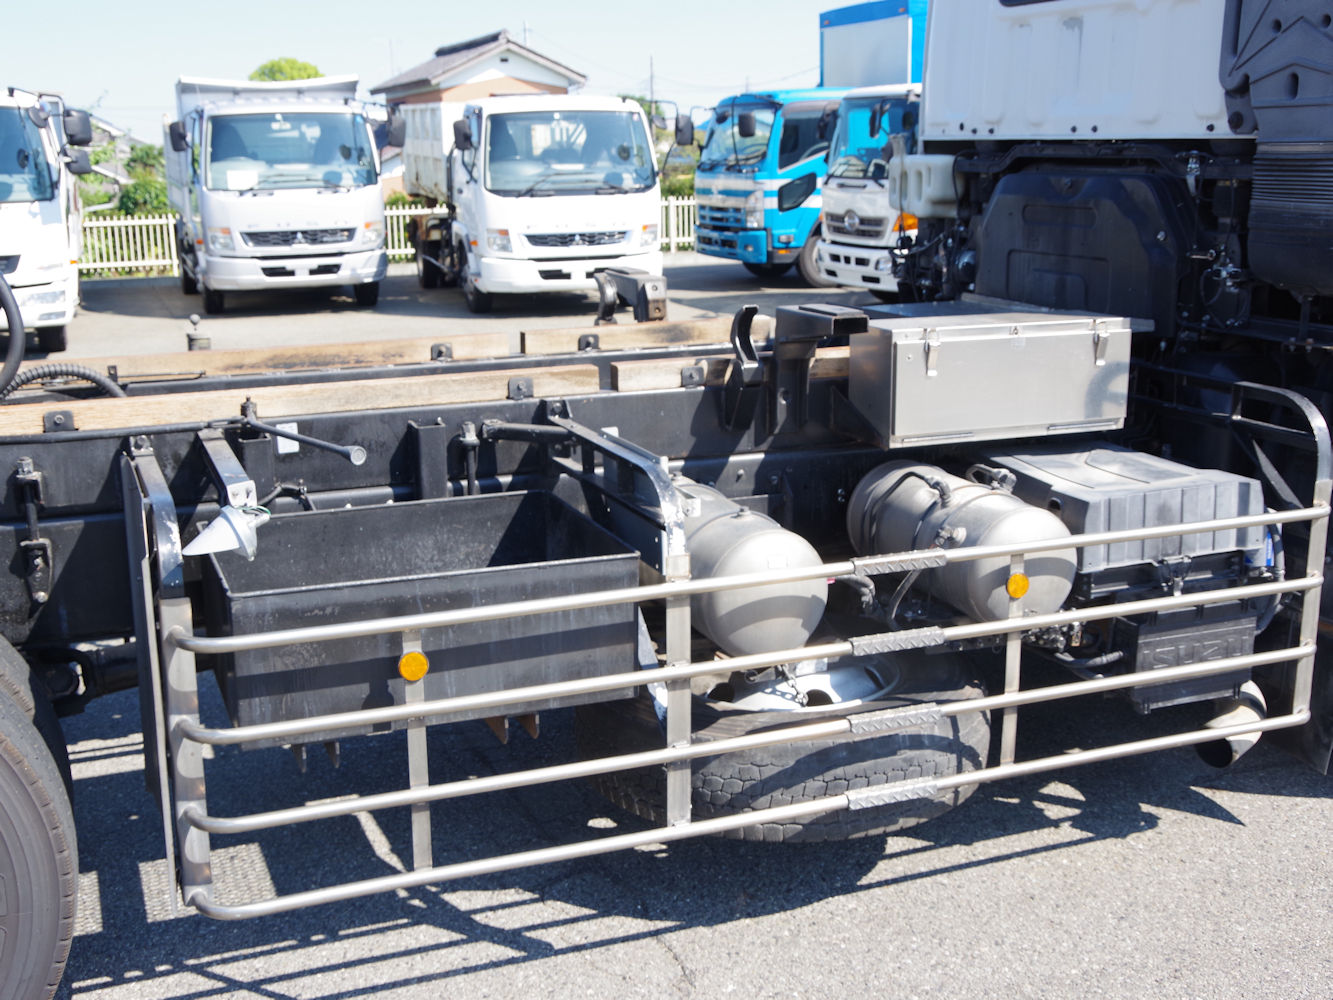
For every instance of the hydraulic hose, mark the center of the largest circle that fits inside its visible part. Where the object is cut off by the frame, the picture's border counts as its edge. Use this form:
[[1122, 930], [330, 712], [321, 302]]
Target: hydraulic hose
[[60, 370], [14, 353]]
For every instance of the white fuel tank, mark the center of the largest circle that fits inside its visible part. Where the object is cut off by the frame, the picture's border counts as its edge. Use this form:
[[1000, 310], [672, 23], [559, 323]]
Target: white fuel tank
[[727, 539]]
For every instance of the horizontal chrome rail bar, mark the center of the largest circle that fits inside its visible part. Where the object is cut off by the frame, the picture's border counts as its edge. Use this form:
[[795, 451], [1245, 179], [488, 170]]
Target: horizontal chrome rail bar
[[192, 730], [629, 595], [859, 798], [790, 734]]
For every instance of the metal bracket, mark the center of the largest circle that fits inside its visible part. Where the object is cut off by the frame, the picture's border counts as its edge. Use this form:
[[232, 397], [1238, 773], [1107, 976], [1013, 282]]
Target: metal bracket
[[442, 352], [645, 292], [797, 332], [520, 387], [589, 342], [38, 555], [745, 375], [58, 420], [235, 487], [692, 376], [1100, 338]]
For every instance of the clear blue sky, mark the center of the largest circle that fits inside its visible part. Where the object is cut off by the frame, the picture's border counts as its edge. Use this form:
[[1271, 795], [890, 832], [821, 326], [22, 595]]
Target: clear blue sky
[[122, 60]]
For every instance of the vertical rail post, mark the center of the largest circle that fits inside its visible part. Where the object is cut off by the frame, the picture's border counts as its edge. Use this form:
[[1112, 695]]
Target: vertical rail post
[[678, 719], [1013, 656], [418, 766]]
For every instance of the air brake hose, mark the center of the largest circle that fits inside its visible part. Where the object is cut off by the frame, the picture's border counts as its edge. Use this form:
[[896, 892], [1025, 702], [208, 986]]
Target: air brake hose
[[14, 353], [60, 370]]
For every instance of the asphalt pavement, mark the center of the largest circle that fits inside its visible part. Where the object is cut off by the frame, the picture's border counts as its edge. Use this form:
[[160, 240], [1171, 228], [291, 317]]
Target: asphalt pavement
[[1149, 877]]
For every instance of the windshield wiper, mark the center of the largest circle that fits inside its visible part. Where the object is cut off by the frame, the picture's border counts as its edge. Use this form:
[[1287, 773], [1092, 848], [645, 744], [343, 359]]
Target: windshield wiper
[[531, 189]]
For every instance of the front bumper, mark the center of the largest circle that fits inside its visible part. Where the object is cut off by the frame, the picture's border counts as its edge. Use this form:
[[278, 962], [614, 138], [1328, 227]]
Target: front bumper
[[45, 305], [856, 266], [507, 275], [747, 245], [242, 274]]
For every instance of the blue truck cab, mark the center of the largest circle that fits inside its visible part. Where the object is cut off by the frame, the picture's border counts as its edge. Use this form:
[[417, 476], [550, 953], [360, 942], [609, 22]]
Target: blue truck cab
[[758, 180]]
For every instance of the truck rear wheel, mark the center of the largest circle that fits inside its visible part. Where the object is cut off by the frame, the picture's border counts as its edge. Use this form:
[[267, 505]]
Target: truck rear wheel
[[799, 772], [27, 692], [38, 862], [428, 272]]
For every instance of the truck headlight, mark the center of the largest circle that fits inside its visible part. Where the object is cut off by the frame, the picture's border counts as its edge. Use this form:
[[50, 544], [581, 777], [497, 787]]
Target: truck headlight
[[498, 240], [373, 235], [754, 210], [220, 239], [648, 236]]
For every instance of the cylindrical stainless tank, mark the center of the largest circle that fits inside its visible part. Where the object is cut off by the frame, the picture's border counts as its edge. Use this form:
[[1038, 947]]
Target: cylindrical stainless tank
[[903, 505], [727, 539]]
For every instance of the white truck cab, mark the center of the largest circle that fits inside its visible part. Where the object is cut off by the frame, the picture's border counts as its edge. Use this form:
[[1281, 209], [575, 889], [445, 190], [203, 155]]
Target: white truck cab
[[863, 218], [542, 192], [41, 232], [277, 186]]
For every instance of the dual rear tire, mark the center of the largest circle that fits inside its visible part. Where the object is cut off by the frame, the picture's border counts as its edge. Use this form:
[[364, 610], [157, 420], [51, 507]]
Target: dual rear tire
[[38, 851]]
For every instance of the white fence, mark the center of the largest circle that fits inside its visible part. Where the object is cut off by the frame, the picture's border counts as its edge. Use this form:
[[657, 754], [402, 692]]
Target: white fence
[[115, 245]]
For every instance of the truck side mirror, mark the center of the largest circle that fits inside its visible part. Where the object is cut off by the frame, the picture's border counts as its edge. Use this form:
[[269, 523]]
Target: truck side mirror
[[78, 162], [396, 134], [745, 124], [462, 134], [180, 142], [78, 127], [684, 130]]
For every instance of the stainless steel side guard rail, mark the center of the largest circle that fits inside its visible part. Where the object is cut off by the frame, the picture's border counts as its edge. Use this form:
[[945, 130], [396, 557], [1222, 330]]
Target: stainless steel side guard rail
[[196, 821], [164, 612]]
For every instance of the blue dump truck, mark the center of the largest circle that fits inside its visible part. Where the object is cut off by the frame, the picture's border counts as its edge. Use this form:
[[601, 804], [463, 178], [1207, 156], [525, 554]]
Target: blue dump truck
[[757, 183]]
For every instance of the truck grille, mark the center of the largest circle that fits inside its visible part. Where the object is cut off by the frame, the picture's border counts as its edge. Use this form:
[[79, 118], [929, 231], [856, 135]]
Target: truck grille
[[576, 239], [872, 228], [297, 237], [717, 217]]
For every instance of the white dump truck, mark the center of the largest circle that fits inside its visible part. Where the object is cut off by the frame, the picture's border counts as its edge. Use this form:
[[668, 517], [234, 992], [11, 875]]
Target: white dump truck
[[277, 186], [537, 193], [40, 214]]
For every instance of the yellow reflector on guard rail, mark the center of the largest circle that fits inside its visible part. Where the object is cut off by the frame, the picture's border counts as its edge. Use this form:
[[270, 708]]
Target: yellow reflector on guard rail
[[413, 666], [1017, 585]]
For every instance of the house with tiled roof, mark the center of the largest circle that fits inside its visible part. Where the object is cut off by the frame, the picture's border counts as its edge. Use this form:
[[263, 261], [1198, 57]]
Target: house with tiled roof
[[480, 67]]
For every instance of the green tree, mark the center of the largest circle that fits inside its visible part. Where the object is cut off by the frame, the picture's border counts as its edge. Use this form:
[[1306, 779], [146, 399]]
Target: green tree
[[285, 68], [146, 196]]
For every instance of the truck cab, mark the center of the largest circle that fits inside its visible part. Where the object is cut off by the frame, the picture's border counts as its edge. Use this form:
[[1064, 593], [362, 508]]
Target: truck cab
[[862, 219], [758, 182], [541, 193], [40, 214], [276, 186]]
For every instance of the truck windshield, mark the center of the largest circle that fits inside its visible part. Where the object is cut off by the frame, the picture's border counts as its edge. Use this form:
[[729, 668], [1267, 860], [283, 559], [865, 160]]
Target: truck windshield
[[289, 150], [532, 153], [858, 150], [25, 173], [726, 147]]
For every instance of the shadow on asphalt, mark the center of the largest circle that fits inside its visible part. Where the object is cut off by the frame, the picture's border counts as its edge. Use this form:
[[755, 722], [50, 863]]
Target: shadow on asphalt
[[590, 904]]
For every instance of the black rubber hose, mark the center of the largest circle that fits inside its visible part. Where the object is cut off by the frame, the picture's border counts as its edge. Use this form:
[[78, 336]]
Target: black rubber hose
[[14, 353], [61, 370]]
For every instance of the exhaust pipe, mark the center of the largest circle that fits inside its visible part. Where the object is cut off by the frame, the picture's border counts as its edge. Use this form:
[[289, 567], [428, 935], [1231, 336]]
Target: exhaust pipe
[[1248, 707]]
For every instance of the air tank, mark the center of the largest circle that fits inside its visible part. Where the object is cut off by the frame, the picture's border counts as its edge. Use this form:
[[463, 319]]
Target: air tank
[[903, 505], [727, 539]]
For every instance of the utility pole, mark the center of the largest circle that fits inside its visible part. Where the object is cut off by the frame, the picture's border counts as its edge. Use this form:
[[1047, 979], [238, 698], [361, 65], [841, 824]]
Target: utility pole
[[525, 33], [652, 104]]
